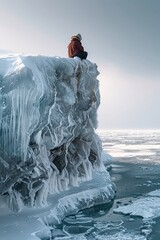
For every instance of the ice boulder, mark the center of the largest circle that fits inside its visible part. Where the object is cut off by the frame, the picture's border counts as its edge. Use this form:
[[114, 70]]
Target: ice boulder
[[48, 117]]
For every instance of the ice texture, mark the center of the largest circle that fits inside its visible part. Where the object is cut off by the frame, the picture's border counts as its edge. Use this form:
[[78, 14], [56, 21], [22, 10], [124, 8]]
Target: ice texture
[[38, 223], [71, 204], [147, 207], [48, 117]]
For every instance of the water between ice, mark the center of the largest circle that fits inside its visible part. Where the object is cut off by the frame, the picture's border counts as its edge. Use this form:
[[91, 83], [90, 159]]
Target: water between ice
[[82, 227], [135, 214]]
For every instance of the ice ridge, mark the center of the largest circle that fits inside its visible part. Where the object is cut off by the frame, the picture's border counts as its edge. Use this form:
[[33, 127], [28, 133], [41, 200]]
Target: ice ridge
[[48, 117]]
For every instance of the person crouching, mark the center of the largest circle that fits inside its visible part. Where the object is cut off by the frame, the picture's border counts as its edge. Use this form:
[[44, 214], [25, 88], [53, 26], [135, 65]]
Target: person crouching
[[75, 48]]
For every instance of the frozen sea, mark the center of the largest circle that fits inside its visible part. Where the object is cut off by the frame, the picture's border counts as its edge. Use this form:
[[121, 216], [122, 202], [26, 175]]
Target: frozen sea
[[135, 212], [132, 145]]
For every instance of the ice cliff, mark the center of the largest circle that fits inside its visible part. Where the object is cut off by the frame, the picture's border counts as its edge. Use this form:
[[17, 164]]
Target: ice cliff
[[48, 117]]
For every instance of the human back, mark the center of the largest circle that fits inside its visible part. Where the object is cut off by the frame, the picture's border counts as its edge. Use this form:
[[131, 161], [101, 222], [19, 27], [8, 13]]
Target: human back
[[75, 48]]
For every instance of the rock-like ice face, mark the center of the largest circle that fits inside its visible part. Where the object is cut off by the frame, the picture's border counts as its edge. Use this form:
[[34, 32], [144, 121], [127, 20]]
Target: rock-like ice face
[[47, 119]]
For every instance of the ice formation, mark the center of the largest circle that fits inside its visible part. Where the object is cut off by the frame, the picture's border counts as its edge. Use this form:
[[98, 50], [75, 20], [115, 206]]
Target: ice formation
[[147, 207], [98, 191], [48, 117]]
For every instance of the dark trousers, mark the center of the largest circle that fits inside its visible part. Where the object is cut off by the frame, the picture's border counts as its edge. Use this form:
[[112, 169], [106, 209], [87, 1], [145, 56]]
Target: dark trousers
[[82, 55]]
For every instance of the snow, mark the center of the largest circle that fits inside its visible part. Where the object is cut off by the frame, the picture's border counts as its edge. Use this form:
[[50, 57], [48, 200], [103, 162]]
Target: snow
[[48, 144], [138, 145], [155, 193], [120, 236], [147, 207], [34, 223]]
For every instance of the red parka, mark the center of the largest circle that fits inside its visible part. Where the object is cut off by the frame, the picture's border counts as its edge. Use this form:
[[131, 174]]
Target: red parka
[[75, 47]]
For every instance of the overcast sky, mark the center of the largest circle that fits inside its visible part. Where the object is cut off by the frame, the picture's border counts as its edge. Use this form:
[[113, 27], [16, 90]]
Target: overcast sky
[[121, 36]]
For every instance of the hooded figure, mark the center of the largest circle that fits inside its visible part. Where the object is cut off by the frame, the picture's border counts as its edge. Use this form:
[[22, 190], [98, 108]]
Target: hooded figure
[[75, 48]]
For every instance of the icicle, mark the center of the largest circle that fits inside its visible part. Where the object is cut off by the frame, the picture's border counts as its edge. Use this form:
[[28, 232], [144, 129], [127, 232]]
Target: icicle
[[47, 120]]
